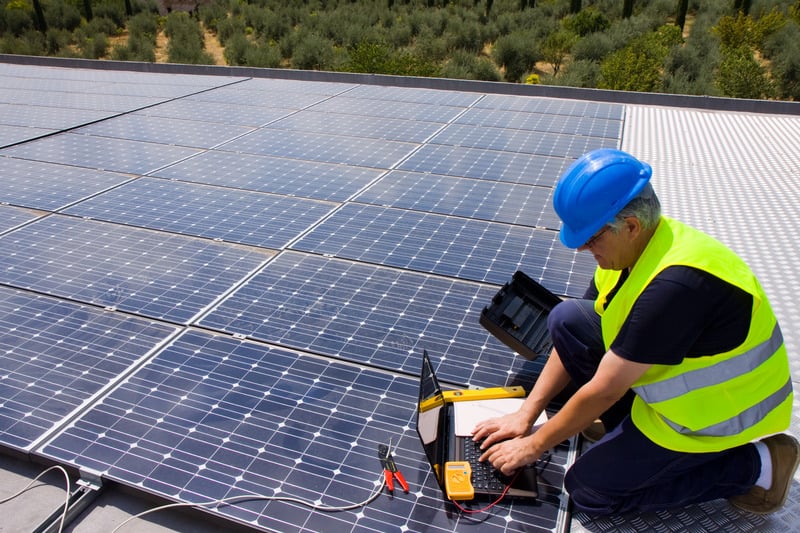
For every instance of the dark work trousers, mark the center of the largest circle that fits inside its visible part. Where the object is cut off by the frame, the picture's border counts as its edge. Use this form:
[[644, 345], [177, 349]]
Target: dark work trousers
[[625, 471]]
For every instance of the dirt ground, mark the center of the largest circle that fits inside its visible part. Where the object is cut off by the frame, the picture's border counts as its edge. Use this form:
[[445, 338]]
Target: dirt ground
[[212, 46]]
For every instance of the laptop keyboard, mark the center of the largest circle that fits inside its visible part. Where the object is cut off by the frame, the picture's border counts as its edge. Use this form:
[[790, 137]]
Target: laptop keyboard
[[484, 475]]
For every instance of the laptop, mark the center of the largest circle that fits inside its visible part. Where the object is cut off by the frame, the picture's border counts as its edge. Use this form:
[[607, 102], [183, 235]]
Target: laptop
[[454, 457]]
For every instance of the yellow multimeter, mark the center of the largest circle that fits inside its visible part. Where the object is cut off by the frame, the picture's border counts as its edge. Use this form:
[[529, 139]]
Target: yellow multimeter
[[458, 480]]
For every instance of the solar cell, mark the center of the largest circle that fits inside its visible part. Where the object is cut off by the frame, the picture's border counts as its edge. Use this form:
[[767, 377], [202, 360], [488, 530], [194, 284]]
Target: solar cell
[[50, 186], [225, 214], [57, 355], [154, 274], [292, 177], [451, 246], [372, 315]]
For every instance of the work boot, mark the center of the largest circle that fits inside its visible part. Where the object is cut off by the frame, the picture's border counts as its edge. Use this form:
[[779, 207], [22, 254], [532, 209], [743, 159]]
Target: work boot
[[784, 451], [594, 432]]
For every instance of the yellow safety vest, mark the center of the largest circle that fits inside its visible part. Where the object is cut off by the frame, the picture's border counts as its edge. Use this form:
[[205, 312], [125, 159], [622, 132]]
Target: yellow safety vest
[[708, 403]]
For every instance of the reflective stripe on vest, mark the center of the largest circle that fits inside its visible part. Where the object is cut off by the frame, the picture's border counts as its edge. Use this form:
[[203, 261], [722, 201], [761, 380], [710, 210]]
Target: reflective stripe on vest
[[742, 421], [721, 372]]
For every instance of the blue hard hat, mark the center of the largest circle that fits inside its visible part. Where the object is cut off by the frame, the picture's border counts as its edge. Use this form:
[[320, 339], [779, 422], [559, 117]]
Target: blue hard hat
[[594, 189]]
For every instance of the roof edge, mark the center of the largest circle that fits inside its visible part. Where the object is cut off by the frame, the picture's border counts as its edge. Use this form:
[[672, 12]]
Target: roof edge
[[551, 91]]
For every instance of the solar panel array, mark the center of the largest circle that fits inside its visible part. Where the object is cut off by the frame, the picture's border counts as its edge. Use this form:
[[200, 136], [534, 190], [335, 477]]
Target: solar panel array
[[215, 286]]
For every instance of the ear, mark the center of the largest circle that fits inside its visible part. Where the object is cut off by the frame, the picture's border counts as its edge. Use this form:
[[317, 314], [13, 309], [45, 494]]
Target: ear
[[634, 227]]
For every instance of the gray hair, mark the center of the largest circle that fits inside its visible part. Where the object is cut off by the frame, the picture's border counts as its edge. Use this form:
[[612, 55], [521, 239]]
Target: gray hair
[[645, 206]]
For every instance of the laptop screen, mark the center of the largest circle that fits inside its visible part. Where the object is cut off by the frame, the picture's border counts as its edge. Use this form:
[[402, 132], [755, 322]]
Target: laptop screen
[[431, 418]]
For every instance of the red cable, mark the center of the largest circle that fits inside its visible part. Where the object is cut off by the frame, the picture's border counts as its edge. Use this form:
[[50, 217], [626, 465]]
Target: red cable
[[499, 498]]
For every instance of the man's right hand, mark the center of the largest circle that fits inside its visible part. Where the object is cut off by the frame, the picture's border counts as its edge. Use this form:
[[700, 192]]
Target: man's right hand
[[501, 428]]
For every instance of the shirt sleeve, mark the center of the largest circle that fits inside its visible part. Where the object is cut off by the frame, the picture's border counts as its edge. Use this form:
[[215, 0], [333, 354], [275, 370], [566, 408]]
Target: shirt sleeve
[[684, 312]]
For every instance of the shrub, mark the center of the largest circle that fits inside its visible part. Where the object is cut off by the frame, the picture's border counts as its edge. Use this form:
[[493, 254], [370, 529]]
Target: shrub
[[579, 73], [587, 21], [637, 67], [741, 76], [57, 41], [517, 53], [143, 24], [230, 27], [59, 14], [593, 47], [17, 20], [313, 52], [466, 66], [264, 56], [236, 48], [112, 11]]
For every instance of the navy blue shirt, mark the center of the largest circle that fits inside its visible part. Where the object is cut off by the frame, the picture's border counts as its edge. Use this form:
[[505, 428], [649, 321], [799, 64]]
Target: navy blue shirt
[[683, 312]]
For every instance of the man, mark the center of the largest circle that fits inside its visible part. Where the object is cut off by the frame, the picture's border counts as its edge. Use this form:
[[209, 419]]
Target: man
[[675, 348]]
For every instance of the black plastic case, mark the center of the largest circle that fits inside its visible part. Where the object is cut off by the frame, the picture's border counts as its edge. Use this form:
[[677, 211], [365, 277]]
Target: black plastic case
[[517, 316]]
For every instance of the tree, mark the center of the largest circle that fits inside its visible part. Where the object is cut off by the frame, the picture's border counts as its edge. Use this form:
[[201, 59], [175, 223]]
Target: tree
[[574, 6], [627, 9], [742, 6], [41, 24], [556, 47], [87, 8], [680, 18]]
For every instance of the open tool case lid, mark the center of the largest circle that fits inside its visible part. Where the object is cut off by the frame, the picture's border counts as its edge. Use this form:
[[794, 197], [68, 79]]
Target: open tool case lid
[[518, 316]]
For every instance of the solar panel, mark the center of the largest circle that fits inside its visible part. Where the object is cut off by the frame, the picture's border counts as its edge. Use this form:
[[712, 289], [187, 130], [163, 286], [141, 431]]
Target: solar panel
[[554, 106], [15, 134], [414, 95], [451, 246], [572, 125], [371, 315], [213, 417], [522, 141], [373, 127], [321, 147], [50, 186], [480, 199], [182, 132], [292, 177], [486, 165], [11, 217], [219, 213], [221, 112], [117, 155], [48, 118], [57, 355], [154, 274], [423, 112]]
